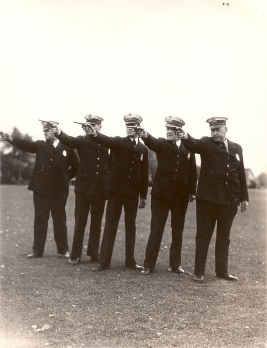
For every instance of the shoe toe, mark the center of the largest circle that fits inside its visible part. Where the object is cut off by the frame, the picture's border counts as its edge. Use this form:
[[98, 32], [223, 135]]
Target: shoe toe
[[178, 270], [99, 268], [198, 278], [145, 271], [74, 261], [33, 256], [227, 276], [66, 254]]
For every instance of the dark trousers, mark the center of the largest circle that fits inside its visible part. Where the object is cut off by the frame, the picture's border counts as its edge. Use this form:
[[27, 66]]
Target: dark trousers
[[113, 213], [83, 204], [207, 215], [43, 205], [160, 208]]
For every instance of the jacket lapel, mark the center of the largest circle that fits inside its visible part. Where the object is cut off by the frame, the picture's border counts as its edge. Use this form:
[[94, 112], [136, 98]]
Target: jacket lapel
[[231, 148]]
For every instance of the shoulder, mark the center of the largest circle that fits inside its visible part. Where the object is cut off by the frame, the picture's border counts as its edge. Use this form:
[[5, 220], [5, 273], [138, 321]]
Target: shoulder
[[236, 145], [162, 140], [206, 139]]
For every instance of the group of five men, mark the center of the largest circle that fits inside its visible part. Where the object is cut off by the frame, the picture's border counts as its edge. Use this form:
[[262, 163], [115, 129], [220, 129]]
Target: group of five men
[[116, 169]]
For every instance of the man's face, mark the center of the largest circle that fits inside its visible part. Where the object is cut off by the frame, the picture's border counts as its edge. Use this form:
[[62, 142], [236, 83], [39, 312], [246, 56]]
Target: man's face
[[171, 134], [130, 130], [97, 127], [219, 134], [49, 136]]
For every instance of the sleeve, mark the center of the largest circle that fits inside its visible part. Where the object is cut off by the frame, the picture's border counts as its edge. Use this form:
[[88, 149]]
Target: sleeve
[[152, 143], [242, 178], [109, 142], [192, 174], [144, 176], [68, 140], [24, 145], [194, 145], [74, 164]]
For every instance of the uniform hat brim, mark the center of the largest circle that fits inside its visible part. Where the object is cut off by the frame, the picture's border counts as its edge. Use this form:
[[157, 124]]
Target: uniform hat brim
[[92, 119], [174, 121], [132, 118], [216, 122], [46, 126]]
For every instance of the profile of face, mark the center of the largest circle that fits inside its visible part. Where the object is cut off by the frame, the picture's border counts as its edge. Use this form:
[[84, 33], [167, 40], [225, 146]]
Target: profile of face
[[219, 134], [96, 126], [171, 134], [49, 136], [130, 130]]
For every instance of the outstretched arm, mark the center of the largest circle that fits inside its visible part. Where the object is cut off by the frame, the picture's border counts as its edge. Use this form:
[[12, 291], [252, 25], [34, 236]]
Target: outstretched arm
[[21, 144]]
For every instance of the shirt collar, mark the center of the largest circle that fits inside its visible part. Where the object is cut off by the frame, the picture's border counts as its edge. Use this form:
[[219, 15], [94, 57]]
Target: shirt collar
[[55, 144], [226, 143]]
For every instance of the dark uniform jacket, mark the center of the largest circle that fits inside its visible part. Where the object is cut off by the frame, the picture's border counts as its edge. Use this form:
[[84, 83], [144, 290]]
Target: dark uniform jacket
[[53, 167], [129, 175], [176, 174], [95, 164], [222, 177]]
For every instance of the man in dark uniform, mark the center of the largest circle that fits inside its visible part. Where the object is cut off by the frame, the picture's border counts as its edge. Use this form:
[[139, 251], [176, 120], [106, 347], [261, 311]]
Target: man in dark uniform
[[222, 187], [55, 165], [174, 185], [127, 181], [90, 183]]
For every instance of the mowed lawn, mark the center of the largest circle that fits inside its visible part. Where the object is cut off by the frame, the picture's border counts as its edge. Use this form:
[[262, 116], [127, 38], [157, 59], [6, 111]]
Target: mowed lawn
[[48, 302]]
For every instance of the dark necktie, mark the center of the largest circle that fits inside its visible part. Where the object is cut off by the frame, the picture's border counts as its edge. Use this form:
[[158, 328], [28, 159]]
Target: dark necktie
[[223, 146], [134, 142]]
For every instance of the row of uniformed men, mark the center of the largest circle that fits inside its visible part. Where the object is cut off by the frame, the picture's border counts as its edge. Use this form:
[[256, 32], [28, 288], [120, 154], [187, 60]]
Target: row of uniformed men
[[116, 169]]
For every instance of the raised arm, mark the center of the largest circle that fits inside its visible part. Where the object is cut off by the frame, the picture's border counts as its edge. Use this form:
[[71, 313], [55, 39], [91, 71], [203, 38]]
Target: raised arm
[[64, 138], [21, 144], [68, 140], [109, 142], [192, 144], [151, 142]]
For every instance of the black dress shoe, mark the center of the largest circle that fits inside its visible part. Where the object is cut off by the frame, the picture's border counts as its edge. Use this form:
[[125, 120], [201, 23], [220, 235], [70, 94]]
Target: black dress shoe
[[176, 270], [33, 256], [227, 276], [95, 258], [75, 261], [198, 278], [146, 271], [66, 255], [136, 267], [99, 268]]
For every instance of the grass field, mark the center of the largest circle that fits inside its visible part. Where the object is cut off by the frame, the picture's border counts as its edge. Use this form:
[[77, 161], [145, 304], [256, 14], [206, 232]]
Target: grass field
[[76, 307]]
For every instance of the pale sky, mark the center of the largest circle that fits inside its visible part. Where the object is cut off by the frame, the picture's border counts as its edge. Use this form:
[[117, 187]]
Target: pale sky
[[63, 59]]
